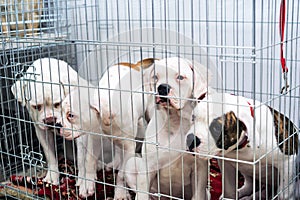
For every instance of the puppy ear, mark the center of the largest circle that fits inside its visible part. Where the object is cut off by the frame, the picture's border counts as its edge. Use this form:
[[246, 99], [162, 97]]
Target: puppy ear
[[202, 76], [147, 73], [18, 91], [143, 64], [146, 63]]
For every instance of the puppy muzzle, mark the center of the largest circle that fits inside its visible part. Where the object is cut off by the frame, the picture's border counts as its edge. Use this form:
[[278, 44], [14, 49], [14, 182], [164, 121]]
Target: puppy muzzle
[[163, 90], [58, 125], [192, 142], [50, 120]]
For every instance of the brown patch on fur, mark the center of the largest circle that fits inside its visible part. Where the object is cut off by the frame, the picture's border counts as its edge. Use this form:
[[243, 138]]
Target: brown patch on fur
[[232, 129], [284, 128], [147, 62]]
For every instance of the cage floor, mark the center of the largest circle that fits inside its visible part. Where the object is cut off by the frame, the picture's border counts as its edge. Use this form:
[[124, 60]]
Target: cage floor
[[23, 188], [26, 187]]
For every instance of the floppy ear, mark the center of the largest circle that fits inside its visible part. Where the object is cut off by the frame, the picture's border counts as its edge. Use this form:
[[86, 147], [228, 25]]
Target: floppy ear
[[146, 63], [147, 78], [18, 91], [202, 76], [143, 64]]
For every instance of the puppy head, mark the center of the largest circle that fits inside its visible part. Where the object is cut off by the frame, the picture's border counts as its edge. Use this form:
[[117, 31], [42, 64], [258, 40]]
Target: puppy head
[[78, 117], [224, 133], [175, 80], [45, 84]]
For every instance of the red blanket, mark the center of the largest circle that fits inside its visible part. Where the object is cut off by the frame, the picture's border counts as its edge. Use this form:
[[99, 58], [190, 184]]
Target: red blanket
[[104, 188]]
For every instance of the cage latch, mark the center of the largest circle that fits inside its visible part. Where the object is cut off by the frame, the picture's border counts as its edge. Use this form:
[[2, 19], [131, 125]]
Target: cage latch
[[286, 86]]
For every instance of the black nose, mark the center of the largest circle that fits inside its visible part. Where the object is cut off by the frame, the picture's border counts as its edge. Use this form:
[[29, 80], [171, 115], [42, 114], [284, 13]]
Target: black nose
[[215, 128], [192, 141], [49, 120], [164, 90], [58, 125]]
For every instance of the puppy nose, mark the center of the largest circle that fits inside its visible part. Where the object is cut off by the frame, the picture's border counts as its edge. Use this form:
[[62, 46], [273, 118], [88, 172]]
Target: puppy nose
[[163, 90], [58, 125], [49, 120], [192, 141], [216, 128]]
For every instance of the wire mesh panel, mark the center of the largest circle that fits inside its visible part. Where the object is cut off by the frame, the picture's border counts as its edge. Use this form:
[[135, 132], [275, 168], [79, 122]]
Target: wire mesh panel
[[149, 99]]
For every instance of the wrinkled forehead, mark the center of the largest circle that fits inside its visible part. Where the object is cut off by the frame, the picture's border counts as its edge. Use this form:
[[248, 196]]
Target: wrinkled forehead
[[178, 66], [78, 100], [44, 93]]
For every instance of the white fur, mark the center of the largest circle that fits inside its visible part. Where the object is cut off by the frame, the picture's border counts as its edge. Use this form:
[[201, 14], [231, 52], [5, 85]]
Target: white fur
[[45, 84], [102, 111], [122, 108], [167, 128], [262, 143], [91, 148]]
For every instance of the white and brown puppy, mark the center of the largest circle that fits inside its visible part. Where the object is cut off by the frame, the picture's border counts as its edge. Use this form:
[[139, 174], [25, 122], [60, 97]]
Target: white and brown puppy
[[231, 126], [164, 168], [42, 89], [115, 109]]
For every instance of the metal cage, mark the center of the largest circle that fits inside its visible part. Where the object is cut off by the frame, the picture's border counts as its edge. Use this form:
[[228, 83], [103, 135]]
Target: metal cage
[[242, 44]]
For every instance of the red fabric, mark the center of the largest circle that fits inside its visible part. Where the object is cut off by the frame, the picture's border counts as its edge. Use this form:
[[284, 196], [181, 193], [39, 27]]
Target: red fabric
[[216, 180], [68, 190]]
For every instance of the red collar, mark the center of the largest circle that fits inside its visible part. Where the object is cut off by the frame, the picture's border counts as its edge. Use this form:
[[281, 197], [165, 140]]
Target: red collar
[[243, 143], [245, 140]]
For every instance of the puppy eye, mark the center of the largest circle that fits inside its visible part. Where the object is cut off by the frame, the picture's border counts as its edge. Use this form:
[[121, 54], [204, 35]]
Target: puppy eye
[[56, 105], [180, 77], [37, 107], [155, 78]]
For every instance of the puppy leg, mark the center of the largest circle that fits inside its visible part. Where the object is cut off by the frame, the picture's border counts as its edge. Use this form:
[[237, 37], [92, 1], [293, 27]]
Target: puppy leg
[[139, 178], [246, 189], [287, 169], [120, 192], [91, 147], [229, 174], [199, 181], [46, 138], [116, 161]]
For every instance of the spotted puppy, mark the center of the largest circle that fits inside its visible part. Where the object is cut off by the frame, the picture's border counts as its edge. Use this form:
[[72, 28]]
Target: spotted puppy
[[230, 126]]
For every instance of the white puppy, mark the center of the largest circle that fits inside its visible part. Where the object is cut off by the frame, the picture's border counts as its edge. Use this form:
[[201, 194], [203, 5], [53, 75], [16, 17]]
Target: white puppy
[[42, 89], [79, 118], [164, 167], [115, 110], [230, 126]]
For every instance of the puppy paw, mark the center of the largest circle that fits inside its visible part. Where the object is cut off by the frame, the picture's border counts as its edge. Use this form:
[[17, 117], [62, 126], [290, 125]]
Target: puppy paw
[[86, 185], [87, 189], [121, 194], [52, 178]]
